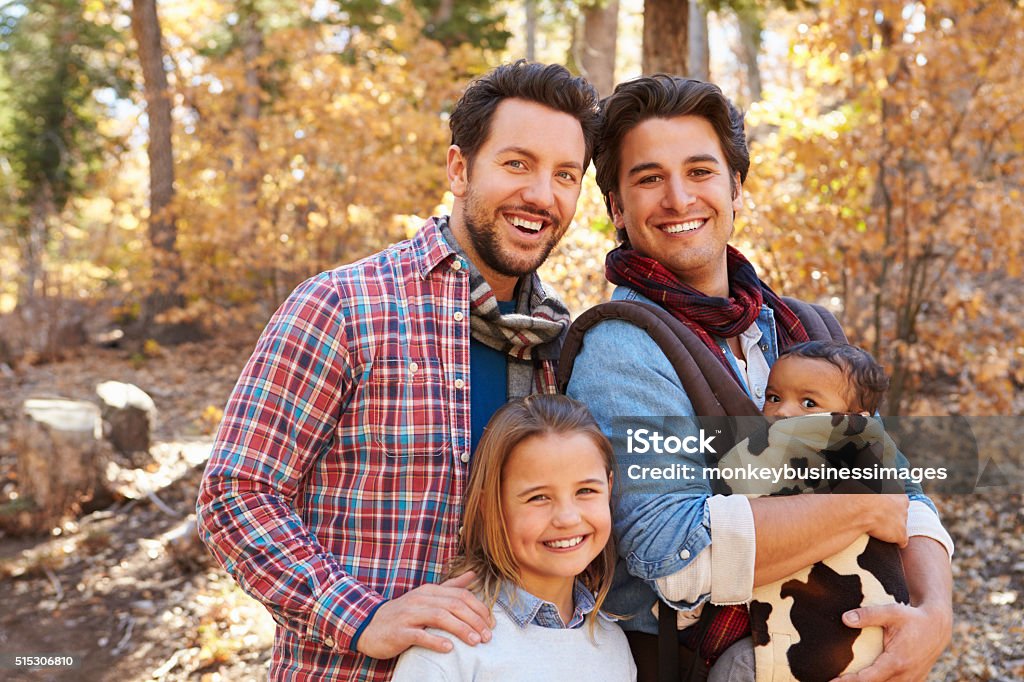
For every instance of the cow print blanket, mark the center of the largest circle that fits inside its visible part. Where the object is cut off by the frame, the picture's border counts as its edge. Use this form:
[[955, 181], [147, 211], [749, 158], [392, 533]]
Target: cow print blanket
[[796, 622]]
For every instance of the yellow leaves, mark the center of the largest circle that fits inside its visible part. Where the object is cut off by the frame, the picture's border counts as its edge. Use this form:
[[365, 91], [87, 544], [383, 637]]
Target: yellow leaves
[[210, 419], [9, 272], [883, 173], [318, 220], [348, 135], [993, 367], [965, 304], [825, 71], [1013, 266]]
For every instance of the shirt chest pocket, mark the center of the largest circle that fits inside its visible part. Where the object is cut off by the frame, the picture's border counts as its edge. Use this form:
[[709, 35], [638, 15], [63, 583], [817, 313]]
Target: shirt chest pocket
[[408, 407]]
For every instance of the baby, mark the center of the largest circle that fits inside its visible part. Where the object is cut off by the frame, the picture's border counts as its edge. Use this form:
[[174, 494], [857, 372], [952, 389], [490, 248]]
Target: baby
[[824, 376], [820, 399]]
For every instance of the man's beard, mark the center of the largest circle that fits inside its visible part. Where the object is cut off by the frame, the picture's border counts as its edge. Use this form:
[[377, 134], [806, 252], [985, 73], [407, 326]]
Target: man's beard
[[484, 234]]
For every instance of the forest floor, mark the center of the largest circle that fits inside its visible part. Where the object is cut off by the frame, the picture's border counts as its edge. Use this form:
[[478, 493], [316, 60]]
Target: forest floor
[[108, 588]]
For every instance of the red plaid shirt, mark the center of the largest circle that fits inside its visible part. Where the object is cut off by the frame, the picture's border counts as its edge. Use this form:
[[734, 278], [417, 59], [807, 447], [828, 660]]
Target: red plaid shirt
[[337, 477]]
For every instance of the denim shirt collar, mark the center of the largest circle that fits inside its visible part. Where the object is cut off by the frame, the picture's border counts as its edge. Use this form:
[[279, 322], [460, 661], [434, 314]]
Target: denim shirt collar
[[524, 608], [765, 323]]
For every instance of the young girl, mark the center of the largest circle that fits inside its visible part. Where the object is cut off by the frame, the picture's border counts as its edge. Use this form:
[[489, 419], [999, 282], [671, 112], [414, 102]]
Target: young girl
[[536, 536]]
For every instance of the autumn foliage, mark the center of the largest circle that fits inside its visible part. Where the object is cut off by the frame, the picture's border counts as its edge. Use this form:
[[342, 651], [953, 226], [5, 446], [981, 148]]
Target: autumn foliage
[[887, 183], [348, 135], [886, 177]]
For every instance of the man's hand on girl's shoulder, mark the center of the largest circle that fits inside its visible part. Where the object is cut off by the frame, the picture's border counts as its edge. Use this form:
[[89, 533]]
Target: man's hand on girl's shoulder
[[402, 622]]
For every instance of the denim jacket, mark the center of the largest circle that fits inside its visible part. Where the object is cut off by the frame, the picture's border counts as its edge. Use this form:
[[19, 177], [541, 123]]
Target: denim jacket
[[624, 378]]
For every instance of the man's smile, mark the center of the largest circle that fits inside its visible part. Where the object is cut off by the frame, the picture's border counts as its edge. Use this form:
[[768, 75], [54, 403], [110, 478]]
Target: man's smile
[[680, 227]]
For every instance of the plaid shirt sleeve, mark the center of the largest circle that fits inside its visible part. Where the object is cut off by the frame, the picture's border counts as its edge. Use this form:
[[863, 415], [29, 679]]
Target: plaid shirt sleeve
[[281, 416]]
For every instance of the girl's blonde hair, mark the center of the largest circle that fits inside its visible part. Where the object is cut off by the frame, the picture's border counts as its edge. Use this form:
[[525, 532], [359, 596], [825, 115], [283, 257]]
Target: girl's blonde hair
[[485, 547]]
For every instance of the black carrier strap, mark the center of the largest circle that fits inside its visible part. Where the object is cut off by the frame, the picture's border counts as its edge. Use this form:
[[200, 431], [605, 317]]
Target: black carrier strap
[[668, 644]]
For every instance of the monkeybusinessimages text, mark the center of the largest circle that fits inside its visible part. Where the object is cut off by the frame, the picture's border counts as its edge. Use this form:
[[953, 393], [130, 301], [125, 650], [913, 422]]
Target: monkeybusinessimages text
[[650, 442]]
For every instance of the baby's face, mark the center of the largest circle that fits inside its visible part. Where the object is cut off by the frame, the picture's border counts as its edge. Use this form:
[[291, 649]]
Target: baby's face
[[798, 386]]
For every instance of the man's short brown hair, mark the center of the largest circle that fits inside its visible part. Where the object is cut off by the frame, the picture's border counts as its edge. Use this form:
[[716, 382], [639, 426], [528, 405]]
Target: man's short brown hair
[[548, 84]]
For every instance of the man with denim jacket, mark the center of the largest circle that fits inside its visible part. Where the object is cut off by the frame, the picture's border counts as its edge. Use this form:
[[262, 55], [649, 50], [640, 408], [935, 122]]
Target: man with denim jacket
[[671, 161]]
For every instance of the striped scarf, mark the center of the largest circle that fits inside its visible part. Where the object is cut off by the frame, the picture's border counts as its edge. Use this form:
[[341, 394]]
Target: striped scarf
[[533, 332]]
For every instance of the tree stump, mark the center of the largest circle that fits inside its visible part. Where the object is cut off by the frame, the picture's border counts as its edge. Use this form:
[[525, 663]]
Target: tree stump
[[61, 465], [128, 416]]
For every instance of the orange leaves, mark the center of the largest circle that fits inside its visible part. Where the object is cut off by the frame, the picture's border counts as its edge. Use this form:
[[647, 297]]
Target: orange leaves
[[892, 179], [993, 367], [348, 132]]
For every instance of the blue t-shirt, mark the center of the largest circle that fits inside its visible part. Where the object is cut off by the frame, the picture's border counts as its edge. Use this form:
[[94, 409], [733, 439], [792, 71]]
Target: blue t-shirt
[[488, 381]]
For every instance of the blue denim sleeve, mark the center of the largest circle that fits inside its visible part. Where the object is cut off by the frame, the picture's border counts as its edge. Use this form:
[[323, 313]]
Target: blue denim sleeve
[[914, 490], [628, 383]]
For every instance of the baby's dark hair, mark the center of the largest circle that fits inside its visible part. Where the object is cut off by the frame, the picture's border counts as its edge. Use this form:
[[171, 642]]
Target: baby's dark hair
[[867, 378]]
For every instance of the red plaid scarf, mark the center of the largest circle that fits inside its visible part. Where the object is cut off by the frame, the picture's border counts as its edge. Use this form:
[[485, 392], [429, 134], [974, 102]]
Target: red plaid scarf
[[730, 625], [707, 316]]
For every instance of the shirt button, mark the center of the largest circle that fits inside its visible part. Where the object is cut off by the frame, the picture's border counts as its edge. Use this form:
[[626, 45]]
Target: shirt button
[[684, 555], [459, 383], [459, 317], [457, 265], [413, 367], [464, 456], [759, 393], [764, 347], [329, 641]]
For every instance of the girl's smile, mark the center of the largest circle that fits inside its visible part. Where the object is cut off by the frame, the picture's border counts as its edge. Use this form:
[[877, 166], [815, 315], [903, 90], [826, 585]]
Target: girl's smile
[[570, 543]]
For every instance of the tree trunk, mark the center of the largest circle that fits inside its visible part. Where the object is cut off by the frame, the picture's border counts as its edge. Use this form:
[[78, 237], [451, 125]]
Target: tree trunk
[[445, 10], [163, 232], [249, 168], [888, 298], [30, 288], [749, 20], [600, 35], [531, 30], [700, 48], [665, 37], [128, 417], [249, 113]]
